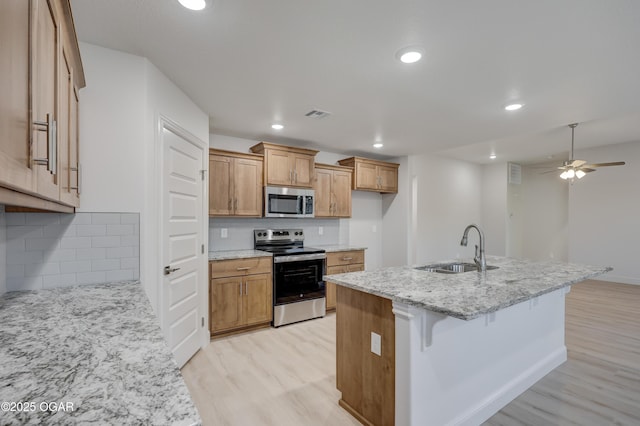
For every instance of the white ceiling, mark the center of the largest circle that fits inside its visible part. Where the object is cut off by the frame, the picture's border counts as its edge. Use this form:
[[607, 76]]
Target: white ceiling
[[249, 63]]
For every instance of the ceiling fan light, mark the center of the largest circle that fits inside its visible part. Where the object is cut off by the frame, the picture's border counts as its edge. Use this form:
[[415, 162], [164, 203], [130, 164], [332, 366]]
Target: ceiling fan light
[[193, 4], [571, 174], [580, 174], [564, 175]]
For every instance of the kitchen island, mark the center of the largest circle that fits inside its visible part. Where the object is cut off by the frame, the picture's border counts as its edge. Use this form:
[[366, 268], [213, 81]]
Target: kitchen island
[[424, 348], [90, 354]]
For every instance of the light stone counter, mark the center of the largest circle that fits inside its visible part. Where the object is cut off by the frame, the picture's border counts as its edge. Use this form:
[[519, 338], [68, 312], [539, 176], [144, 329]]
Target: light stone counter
[[468, 295], [237, 254], [96, 349]]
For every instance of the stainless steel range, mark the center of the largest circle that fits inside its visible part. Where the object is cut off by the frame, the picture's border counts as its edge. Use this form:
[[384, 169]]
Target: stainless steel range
[[298, 288]]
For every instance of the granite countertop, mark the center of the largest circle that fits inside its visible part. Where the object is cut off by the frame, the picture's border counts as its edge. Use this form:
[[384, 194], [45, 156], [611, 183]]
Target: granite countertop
[[237, 254], [469, 294], [338, 247], [95, 351]]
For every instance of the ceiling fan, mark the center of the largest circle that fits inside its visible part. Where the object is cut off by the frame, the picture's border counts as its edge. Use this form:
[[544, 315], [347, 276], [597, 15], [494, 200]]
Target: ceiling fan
[[579, 168]]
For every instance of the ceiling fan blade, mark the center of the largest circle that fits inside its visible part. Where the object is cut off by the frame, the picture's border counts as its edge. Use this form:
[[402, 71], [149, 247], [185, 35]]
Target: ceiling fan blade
[[577, 163], [587, 170], [616, 163]]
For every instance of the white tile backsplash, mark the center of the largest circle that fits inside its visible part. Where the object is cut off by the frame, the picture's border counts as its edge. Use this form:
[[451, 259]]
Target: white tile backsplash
[[46, 250], [240, 231]]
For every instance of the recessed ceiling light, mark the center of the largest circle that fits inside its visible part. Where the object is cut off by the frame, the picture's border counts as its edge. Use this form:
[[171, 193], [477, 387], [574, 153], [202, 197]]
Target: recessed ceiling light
[[513, 107], [193, 4], [277, 126], [378, 145], [410, 54], [492, 156]]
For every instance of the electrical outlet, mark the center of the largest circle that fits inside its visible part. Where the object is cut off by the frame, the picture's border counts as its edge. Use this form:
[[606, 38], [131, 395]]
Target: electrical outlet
[[320, 230], [223, 233], [376, 344]]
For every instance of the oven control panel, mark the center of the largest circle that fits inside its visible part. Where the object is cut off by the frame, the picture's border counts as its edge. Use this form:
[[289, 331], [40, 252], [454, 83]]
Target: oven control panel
[[266, 235]]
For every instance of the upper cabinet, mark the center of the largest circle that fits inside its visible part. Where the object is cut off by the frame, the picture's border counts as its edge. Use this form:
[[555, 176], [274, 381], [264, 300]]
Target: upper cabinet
[[39, 123], [69, 83], [235, 184], [373, 175], [15, 151], [287, 166], [332, 191]]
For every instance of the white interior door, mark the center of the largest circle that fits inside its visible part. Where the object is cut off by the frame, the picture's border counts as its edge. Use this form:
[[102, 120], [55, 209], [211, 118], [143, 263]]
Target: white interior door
[[184, 280]]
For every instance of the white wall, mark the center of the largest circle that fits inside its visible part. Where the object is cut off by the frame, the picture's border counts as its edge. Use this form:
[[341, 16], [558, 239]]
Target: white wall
[[604, 208], [363, 229], [366, 226], [119, 112], [448, 199], [396, 220], [545, 204], [112, 131], [515, 221], [3, 252], [494, 208]]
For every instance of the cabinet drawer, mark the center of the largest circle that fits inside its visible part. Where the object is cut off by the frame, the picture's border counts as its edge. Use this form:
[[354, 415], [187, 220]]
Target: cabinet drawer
[[345, 257], [343, 269], [238, 267]]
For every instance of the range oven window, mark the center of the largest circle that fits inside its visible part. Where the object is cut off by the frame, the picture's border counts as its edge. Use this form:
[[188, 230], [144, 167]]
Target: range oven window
[[285, 204], [298, 281]]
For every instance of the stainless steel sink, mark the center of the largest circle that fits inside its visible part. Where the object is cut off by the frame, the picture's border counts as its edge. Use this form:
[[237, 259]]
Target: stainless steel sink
[[451, 268]]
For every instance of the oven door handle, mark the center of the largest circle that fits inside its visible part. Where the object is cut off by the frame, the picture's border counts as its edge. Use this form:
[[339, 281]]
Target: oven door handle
[[299, 257]]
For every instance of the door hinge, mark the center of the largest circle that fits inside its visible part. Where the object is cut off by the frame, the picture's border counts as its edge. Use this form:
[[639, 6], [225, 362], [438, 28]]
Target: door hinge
[[202, 173], [203, 321], [202, 249]]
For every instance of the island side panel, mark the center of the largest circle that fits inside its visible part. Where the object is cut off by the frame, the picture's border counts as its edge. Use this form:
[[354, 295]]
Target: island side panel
[[457, 372], [366, 380]]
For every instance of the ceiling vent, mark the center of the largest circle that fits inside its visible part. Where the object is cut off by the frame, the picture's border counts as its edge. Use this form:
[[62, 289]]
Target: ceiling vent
[[318, 114]]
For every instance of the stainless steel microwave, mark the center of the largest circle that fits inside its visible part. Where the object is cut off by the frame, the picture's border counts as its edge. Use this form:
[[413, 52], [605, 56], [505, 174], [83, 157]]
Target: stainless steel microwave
[[288, 202]]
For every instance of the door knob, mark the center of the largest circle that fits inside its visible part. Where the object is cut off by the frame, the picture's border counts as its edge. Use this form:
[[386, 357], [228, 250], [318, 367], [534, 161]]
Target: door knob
[[169, 269]]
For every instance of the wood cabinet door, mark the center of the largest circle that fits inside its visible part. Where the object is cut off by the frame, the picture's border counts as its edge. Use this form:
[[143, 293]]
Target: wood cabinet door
[[341, 188], [303, 169], [65, 145], [220, 185], [247, 184], [15, 153], [388, 179], [331, 287], [279, 169], [226, 303], [45, 56], [331, 296], [258, 302], [355, 267], [366, 176], [74, 146], [322, 198]]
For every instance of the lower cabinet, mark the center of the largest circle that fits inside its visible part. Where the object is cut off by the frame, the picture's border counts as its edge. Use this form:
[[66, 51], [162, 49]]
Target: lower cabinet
[[240, 294], [339, 263]]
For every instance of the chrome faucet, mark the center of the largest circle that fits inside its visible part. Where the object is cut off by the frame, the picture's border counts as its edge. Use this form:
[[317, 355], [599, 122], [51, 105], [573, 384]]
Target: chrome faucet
[[479, 259]]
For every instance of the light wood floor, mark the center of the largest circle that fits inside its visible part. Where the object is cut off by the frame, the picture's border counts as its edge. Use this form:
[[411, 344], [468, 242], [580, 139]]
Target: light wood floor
[[286, 376]]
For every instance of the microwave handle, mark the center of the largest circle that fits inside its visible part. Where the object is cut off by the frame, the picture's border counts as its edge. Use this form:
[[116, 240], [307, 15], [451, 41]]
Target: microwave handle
[[301, 205]]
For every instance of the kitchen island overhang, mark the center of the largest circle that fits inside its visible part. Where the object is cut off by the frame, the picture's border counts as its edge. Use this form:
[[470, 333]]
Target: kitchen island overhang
[[464, 345]]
